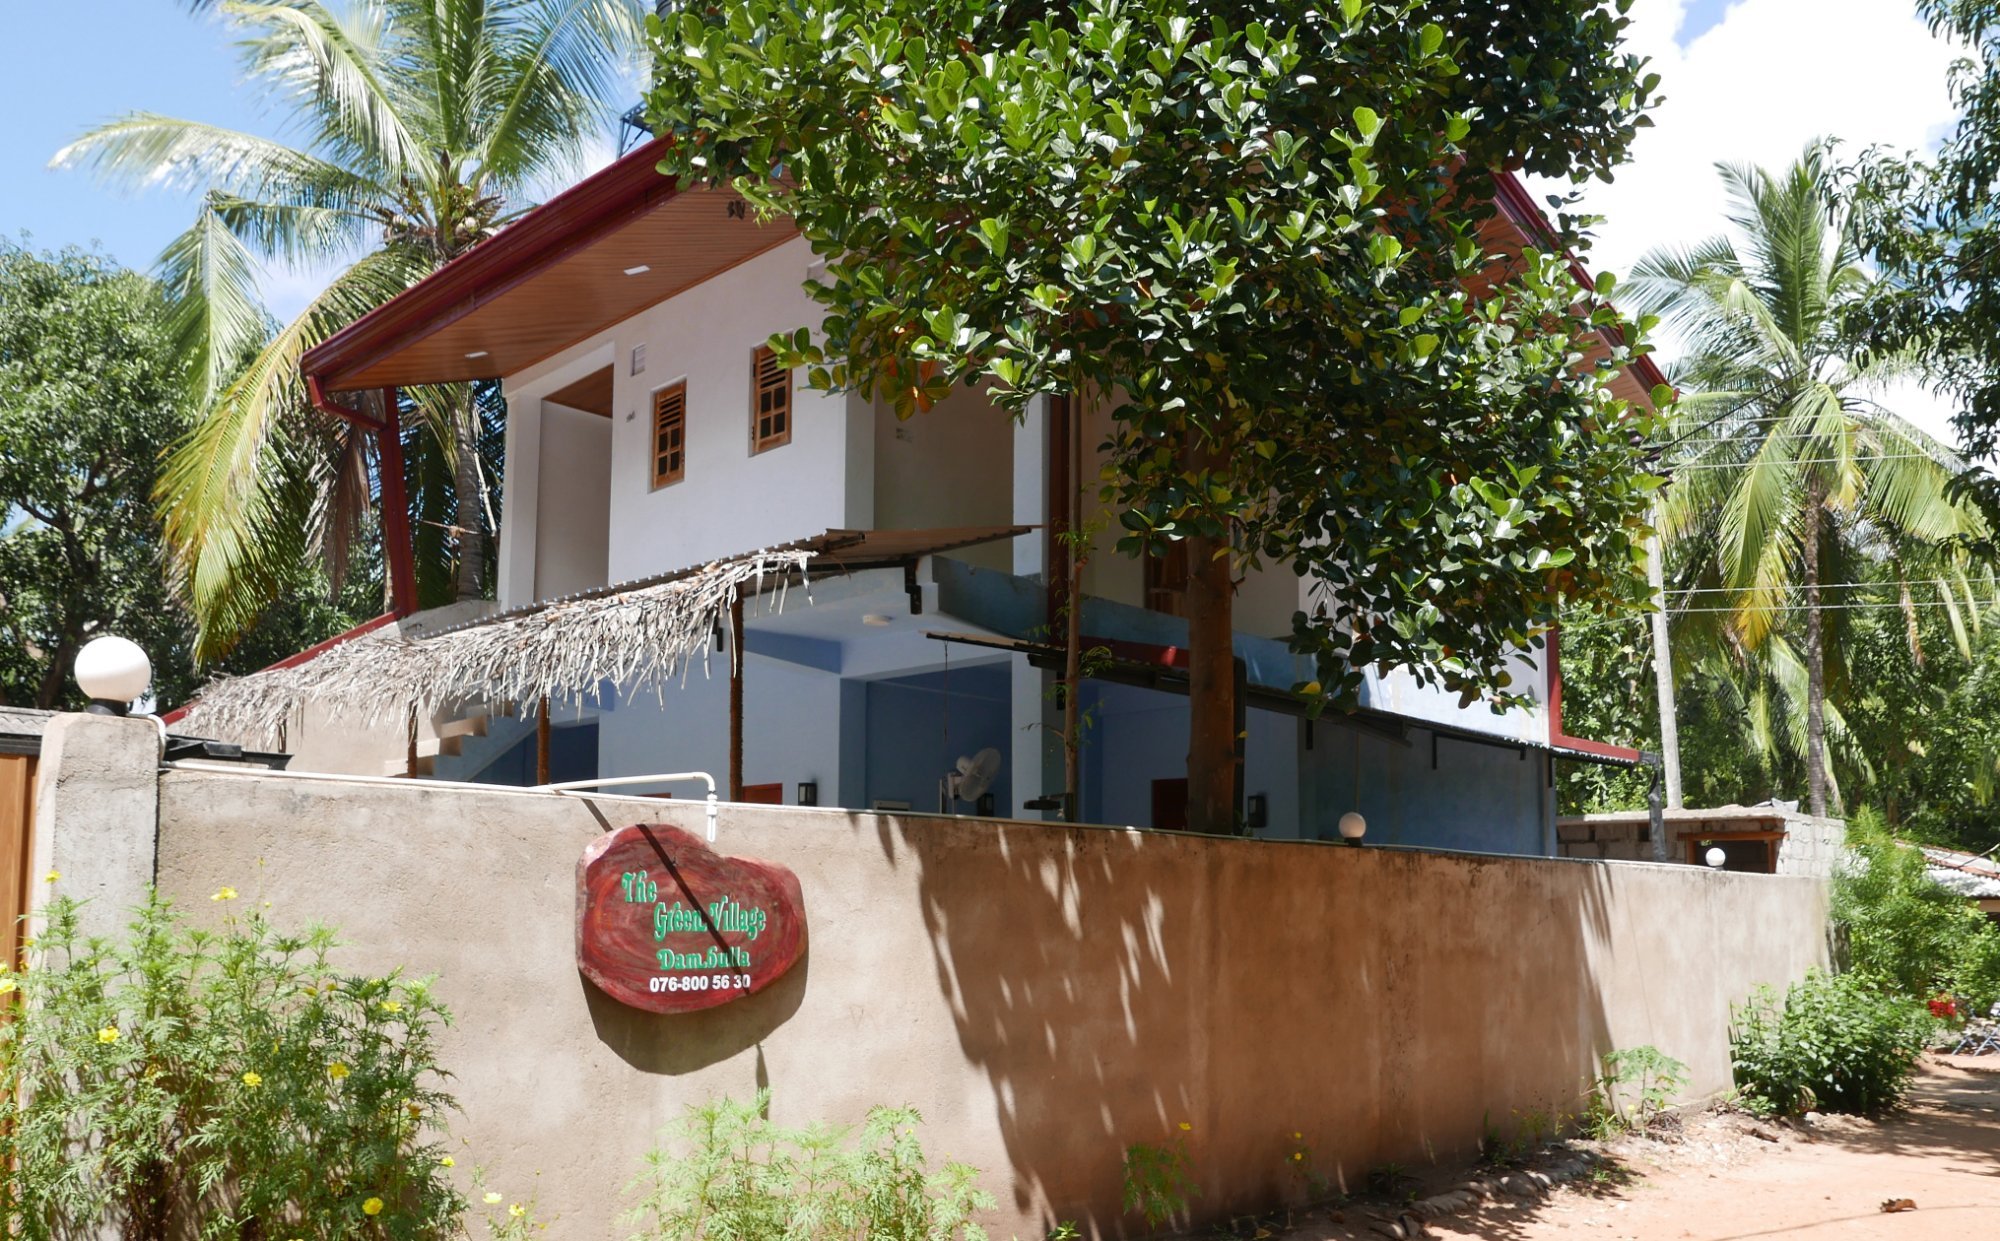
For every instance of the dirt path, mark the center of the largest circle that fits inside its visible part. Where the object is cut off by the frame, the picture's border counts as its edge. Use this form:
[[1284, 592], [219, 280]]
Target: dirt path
[[1721, 1183]]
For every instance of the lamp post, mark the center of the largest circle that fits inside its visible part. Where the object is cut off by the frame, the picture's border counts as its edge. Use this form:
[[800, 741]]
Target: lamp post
[[1353, 827], [1715, 857], [112, 671]]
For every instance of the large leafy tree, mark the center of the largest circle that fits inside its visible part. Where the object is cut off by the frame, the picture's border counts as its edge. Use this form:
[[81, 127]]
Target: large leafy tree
[[91, 397], [1930, 226], [1793, 487], [424, 126], [1256, 226]]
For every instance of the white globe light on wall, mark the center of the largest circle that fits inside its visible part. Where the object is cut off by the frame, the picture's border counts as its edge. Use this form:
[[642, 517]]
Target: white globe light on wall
[[1715, 857], [1353, 827], [112, 671]]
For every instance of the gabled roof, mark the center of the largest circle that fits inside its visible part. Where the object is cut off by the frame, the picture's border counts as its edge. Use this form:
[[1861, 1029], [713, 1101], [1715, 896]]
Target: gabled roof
[[619, 241]]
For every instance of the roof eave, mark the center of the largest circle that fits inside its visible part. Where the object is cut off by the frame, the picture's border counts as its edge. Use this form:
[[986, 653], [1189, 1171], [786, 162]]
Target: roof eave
[[543, 237]]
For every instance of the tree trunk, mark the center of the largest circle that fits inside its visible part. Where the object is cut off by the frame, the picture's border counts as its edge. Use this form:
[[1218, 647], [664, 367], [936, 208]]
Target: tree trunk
[[1815, 665], [1079, 551], [467, 511], [1211, 762]]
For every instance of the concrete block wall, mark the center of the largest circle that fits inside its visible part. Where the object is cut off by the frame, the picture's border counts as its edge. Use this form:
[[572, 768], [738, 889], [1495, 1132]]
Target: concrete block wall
[[1810, 847], [1044, 995]]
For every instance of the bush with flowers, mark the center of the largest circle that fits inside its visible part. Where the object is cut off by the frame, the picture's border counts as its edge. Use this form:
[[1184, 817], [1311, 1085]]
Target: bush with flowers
[[180, 1082]]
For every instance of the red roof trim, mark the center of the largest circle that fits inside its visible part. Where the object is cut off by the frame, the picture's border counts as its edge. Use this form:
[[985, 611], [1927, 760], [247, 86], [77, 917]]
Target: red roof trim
[[542, 237], [311, 652], [1557, 737], [1520, 207]]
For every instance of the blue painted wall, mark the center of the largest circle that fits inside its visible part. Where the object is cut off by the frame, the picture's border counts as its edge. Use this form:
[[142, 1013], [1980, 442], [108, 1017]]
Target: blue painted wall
[[919, 725], [572, 756], [1478, 798]]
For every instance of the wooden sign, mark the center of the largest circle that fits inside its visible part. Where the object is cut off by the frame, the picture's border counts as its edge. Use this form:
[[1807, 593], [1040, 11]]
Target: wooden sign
[[665, 923]]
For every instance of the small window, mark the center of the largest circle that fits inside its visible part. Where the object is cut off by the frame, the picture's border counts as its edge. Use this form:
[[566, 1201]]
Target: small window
[[770, 401], [669, 434]]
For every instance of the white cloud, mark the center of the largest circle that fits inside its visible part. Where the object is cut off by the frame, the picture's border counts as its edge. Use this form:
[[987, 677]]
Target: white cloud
[[1771, 76]]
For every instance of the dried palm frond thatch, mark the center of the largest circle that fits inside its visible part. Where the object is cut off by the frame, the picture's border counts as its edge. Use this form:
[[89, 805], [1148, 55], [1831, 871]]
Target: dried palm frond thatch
[[637, 639]]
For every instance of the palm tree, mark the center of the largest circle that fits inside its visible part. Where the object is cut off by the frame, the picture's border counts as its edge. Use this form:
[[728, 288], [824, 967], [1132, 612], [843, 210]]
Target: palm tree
[[423, 126], [1790, 480]]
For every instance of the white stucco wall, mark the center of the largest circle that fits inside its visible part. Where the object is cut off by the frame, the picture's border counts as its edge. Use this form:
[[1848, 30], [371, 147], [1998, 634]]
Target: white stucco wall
[[729, 501], [572, 526], [949, 466]]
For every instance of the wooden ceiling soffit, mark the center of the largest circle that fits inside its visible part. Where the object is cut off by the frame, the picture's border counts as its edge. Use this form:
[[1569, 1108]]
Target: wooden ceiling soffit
[[591, 394], [618, 242]]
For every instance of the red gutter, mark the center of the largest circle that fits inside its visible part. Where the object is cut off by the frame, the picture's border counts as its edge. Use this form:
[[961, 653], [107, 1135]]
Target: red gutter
[[396, 544], [1519, 207], [544, 236], [312, 652], [1561, 739]]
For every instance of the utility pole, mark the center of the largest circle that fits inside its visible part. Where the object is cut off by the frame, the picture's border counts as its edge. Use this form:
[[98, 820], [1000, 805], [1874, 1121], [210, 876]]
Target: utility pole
[[1663, 677]]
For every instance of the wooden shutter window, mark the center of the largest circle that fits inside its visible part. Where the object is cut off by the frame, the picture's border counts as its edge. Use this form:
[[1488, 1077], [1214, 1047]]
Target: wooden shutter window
[[669, 434], [770, 401]]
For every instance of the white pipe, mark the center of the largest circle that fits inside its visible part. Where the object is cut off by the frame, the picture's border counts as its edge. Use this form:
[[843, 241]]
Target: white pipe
[[570, 786], [404, 782]]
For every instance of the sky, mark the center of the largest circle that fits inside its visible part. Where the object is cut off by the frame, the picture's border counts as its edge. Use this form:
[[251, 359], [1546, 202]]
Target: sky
[[1745, 80], [1755, 81], [69, 65]]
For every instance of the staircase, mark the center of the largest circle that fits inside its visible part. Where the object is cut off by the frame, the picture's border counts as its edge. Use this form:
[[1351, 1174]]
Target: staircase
[[463, 745]]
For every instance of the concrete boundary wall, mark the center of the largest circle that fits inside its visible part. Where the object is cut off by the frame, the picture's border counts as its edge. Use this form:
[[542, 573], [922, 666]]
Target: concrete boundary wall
[[1044, 995]]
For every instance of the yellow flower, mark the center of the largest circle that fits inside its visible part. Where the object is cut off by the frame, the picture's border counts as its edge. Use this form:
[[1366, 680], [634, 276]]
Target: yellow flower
[[491, 1198], [52, 876], [7, 986], [416, 1109], [224, 894], [253, 1080], [449, 1162], [108, 1034], [1185, 1126], [336, 1070], [1298, 1155], [1297, 1136], [517, 1210], [390, 1006], [372, 1207]]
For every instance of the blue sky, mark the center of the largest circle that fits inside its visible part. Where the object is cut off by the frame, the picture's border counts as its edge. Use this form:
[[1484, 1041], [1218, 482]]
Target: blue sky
[[74, 63], [1862, 69]]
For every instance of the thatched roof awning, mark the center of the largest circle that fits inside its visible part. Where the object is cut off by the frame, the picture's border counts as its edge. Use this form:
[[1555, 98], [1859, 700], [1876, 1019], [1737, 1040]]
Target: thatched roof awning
[[638, 635]]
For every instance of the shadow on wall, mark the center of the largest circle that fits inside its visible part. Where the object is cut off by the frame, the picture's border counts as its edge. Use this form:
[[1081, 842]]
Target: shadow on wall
[[1115, 985], [700, 1038]]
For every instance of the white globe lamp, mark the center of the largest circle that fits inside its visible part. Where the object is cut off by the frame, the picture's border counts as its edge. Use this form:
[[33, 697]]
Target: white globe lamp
[[112, 671], [1353, 827], [1715, 857]]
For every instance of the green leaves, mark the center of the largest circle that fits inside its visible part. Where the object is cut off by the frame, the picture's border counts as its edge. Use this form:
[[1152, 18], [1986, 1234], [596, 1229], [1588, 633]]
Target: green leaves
[[235, 1070], [1254, 234]]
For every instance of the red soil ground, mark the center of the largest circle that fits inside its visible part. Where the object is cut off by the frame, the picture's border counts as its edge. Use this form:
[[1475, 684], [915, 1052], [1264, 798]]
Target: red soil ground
[[1721, 1181]]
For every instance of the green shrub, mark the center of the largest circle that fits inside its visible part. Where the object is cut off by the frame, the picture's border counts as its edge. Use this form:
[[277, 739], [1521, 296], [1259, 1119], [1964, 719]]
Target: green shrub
[[1638, 1083], [230, 1083], [1914, 935], [737, 1175], [1831, 1044], [1159, 1180]]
